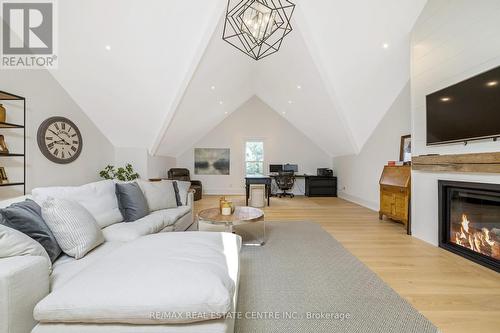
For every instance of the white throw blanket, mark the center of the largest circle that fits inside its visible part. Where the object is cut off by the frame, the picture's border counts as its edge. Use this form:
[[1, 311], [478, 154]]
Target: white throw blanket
[[158, 279]]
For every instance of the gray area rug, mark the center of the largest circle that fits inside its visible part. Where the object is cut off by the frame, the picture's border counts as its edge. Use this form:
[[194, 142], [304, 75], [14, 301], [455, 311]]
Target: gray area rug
[[303, 280]]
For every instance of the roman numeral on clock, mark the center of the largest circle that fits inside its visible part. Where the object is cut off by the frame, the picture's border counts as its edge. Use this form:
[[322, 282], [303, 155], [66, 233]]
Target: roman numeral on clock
[[73, 148]]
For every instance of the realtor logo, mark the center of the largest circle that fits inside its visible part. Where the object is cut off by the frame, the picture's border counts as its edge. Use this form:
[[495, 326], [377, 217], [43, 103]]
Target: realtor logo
[[28, 34]]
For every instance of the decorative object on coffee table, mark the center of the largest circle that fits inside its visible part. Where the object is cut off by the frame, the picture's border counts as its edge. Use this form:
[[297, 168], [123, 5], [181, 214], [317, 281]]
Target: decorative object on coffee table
[[59, 140], [3, 146], [183, 174], [405, 149], [248, 222]]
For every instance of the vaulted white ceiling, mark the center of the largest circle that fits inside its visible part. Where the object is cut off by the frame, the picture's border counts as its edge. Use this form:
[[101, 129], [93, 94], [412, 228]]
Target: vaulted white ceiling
[[167, 78]]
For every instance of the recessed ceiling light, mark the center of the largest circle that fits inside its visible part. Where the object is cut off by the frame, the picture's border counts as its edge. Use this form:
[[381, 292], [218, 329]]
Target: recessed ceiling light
[[212, 87], [290, 102], [283, 112], [299, 87], [385, 45], [225, 112], [445, 99], [108, 47], [492, 83], [221, 102]]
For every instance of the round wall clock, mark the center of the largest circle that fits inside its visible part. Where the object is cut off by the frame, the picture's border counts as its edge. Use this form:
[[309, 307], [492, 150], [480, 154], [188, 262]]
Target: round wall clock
[[59, 140]]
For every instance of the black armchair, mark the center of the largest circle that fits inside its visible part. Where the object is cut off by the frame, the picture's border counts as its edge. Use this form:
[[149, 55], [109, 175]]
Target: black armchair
[[182, 174], [285, 181]]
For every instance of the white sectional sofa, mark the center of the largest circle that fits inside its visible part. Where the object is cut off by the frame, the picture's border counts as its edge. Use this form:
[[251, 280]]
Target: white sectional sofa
[[143, 278]]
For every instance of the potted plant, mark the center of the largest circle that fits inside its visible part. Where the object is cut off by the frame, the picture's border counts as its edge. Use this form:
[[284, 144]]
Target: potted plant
[[123, 174]]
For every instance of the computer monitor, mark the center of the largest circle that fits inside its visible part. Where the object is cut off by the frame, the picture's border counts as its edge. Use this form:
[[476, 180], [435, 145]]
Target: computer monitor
[[273, 168], [291, 167]]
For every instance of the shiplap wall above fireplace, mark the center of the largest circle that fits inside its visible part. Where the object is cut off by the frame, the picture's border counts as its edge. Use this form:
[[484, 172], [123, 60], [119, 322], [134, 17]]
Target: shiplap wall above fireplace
[[451, 42]]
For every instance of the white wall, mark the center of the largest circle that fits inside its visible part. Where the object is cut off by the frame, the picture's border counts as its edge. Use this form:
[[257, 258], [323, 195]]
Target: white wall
[[451, 41], [46, 98], [358, 175], [144, 164], [283, 143]]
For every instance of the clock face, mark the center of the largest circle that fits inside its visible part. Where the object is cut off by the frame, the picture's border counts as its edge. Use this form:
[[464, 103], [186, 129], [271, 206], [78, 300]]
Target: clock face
[[59, 140]]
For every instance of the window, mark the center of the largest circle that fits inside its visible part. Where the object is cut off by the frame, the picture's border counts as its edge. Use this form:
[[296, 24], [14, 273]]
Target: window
[[254, 158]]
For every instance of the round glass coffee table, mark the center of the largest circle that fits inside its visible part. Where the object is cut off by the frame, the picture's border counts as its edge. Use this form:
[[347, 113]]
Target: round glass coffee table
[[248, 222]]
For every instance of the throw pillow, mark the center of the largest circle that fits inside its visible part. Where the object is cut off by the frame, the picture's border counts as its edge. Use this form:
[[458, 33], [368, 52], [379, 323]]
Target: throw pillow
[[183, 191], [159, 195], [177, 195], [131, 201], [26, 217], [98, 198], [14, 243], [75, 229]]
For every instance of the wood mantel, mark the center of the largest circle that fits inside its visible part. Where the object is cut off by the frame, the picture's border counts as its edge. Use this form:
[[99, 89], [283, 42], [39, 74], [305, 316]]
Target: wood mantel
[[481, 162]]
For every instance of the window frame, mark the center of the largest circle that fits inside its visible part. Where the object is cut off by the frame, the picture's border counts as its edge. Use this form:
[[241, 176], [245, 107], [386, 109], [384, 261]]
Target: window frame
[[245, 162]]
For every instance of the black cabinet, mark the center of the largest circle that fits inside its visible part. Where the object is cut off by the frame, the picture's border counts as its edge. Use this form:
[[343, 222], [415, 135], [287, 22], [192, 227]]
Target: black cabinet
[[317, 186]]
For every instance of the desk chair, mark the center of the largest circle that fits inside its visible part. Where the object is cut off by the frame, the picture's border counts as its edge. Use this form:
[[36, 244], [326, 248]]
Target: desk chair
[[285, 181]]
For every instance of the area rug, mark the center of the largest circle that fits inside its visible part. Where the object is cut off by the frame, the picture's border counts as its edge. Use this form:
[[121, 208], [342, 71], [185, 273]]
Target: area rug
[[303, 280]]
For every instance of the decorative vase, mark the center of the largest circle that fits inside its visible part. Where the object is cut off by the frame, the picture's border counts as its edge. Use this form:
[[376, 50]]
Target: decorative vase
[[2, 114]]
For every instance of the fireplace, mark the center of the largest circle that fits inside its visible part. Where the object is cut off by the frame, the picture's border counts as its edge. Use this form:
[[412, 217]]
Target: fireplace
[[469, 221]]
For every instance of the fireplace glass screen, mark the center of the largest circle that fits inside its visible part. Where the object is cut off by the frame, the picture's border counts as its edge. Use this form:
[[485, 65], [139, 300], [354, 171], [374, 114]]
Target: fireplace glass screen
[[475, 221]]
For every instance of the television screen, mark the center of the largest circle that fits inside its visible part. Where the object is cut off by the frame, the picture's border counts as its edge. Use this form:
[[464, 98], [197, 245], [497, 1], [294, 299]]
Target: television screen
[[273, 168], [291, 167], [465, 111]]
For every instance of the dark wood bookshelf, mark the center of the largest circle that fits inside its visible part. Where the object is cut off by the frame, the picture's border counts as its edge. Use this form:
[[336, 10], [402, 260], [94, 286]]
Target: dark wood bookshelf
[[6, 96]]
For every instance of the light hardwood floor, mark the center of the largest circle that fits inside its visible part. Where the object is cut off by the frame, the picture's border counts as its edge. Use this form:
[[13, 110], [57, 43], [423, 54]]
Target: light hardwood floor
[[455, 294]]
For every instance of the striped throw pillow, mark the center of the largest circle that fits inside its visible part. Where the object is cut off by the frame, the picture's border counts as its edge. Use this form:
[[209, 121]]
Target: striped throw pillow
[[74, 228]]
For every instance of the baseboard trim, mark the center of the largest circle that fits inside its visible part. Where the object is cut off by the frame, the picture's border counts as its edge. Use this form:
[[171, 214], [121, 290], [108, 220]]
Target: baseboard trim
[[357, 200]]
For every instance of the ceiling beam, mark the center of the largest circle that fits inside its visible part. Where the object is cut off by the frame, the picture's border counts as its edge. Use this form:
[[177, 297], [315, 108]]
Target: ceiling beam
[[198, 55]]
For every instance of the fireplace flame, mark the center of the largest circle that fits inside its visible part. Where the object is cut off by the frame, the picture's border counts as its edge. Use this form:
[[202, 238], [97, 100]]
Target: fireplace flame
[[478, 240], [465, 223]]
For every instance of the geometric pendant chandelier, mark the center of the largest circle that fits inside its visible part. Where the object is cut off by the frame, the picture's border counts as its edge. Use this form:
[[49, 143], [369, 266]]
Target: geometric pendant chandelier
[[257, 27]]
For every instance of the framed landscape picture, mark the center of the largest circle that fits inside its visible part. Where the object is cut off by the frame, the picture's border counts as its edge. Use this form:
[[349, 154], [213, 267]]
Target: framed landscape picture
[[211, 161]]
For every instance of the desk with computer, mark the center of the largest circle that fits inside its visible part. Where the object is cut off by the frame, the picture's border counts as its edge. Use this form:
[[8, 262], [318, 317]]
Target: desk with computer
[[283, 177]]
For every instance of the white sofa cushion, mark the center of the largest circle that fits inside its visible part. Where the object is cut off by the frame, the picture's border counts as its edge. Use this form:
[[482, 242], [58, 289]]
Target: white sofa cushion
[[74, 228], [98, 198], [181, 273], [170, 216], [159, 195], [66, 267], [14, 243], [129, 231]]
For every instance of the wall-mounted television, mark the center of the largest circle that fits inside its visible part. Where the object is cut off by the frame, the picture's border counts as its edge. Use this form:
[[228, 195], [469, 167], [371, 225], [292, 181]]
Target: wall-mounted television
[[469, 110]]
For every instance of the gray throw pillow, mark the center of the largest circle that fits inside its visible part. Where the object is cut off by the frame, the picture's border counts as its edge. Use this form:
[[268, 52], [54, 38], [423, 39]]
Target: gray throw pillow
[[131, 201], [177, 195], [26, 217]]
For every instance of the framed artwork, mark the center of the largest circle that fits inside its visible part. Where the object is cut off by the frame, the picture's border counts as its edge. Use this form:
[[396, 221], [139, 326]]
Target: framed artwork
[[211, 161], [405, 149]]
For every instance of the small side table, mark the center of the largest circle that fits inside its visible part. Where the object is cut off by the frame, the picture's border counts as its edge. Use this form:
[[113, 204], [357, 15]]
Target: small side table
[[248, 222]]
